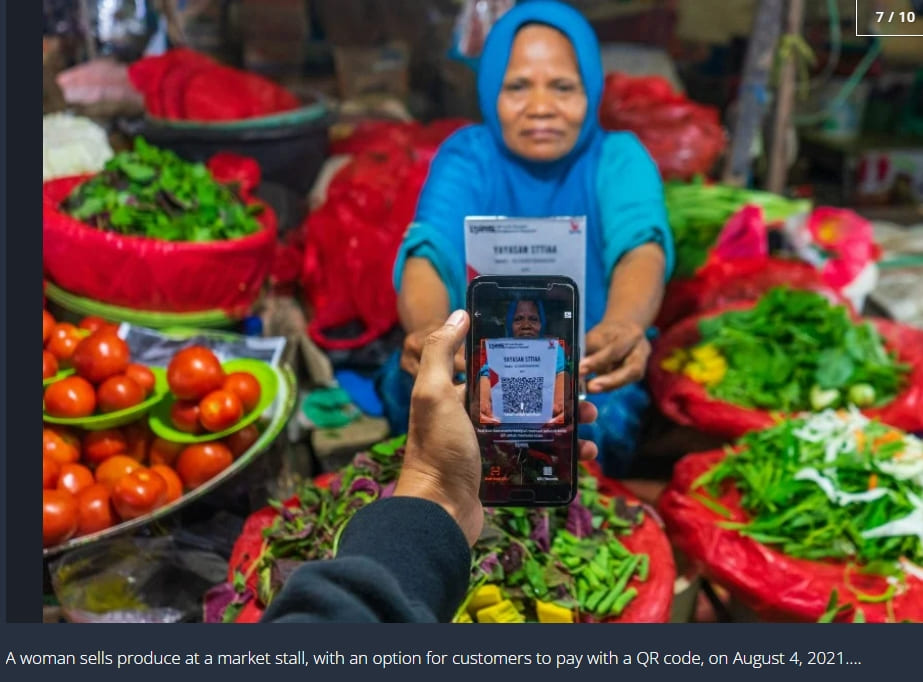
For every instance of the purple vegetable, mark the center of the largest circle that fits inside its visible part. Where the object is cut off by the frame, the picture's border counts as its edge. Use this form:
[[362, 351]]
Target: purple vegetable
[[541, 534], [489, 563], [388, 490], [366, 463], [512, 558], [219, 598], [364, 484], [579, 520], [336, 483]]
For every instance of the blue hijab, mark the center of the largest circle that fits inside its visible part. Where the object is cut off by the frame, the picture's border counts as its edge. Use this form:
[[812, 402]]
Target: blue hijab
[[474, 172], [511, 312]]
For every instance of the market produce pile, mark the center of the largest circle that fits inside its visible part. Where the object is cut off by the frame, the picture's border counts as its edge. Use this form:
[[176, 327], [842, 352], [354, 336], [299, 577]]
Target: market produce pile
[[792, 351], [698, 212], [546, 565], [151, 192], [829, 486], [555, 564]]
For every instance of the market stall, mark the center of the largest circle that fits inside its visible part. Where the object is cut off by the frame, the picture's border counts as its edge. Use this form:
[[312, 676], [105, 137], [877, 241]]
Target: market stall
[[225, 345]]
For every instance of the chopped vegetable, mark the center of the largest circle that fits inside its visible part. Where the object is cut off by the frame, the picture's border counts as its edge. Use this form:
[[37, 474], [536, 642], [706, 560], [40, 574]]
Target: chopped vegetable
[[817, 489], [792, 351], [502, 612], [552, 613], [151, 192]]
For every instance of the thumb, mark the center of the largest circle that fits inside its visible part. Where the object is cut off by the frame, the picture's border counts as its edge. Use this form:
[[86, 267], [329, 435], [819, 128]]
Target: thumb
[[437, 361]]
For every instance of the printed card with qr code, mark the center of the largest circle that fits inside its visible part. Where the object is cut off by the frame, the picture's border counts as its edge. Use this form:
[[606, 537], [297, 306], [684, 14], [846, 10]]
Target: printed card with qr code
[[522, 379]]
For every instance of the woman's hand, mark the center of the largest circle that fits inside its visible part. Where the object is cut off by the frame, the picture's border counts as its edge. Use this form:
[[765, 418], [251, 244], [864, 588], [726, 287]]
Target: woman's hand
[[617, 354]]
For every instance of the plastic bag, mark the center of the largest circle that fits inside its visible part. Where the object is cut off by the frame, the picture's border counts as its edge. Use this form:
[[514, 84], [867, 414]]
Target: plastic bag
[[476, 19], [352, 240], [153, 274], [776, 586], [688, 403], [182, 84], [724, 282], [141, 580], [683, 137]]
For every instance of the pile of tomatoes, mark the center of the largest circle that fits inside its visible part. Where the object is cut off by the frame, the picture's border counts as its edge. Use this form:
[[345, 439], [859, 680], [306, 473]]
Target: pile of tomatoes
[[95, 479], [208, 399], [105, 379], [92, 480]]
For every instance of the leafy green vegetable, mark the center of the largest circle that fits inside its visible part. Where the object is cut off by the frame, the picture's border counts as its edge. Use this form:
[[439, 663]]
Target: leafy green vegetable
[[697, 213], [795, 351], [829, 487], [153, 193]]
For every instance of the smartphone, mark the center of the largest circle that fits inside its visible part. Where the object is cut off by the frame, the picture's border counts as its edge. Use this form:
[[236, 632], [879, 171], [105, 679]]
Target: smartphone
[[522, 360]]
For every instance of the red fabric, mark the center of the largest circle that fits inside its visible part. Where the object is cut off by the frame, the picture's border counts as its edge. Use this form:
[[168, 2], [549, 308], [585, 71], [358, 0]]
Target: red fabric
[[776, 586], [152, 274], [723, 282], [655, 596], [685, 138], [182, 84], [352, 240], [688, 403]]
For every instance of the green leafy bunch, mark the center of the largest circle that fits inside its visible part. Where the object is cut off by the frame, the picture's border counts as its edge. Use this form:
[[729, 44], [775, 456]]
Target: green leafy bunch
[[795, 351], [151, 192]]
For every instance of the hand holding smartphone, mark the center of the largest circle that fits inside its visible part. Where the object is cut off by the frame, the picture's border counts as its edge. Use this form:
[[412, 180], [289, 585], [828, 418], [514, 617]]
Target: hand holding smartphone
[[521, 360]]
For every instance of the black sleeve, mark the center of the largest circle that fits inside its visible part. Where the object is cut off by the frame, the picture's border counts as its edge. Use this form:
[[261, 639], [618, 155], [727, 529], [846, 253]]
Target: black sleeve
[[402, 559]]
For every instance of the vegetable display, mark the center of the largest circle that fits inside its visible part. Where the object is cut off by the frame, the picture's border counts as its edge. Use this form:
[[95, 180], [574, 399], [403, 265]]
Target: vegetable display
[[830, 486], [792, 351], [697, 213], [556, 564], [821, 505], [151, 192]]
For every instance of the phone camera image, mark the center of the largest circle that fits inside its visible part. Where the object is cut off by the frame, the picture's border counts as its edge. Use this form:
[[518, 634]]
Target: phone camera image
[[521, 390]]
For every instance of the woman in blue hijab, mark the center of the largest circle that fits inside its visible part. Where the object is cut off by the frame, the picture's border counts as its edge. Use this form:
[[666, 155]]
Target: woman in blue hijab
[[541, 152]]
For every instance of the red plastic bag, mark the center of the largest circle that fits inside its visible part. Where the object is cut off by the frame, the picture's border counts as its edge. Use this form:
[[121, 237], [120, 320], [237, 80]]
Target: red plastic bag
[[688, 403], [182, 84], [776, 586], [153, 274], [683, 137], [352, 240], [723, 282]]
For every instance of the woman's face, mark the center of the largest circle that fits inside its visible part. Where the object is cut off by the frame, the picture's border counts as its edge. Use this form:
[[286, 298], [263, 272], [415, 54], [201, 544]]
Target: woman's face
[[542, 103], [526, 321]]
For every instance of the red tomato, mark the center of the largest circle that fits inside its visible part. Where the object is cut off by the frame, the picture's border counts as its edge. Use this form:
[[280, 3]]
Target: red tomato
[[48, 324], [61, 444], [74, 478], [59, 517], [220, 410], [138, 437], [93, 323], [185, 416], [164, 452], [202, 461], [245, 386], [172, 479], [49, 364], [119, 393], [70, 397], [51, 469], [101, 355], [114, 468], [142, 376], [194, 372], [63, 342], [138, 493], [94, 510], [101, 445], [240, 441]]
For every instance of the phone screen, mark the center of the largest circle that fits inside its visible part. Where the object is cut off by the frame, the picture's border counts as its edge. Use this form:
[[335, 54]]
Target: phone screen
[[521, 380]]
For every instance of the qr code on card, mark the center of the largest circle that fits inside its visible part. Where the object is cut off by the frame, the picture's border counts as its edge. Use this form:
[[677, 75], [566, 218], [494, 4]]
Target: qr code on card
[[522, 396]]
